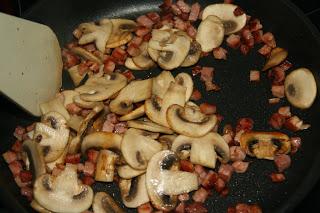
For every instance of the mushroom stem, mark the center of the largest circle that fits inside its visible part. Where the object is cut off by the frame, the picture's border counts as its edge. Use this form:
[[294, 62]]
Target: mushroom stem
[[105, 166]]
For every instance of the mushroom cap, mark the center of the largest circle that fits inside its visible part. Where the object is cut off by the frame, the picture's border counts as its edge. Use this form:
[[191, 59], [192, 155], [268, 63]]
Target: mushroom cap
[[301, 88], [193, 55], [146, 124], [265, 145], [189, 121], [184, 79], [63, 193], [136, 113], [84, 104], [127, 172], [135, 91], [163, 160], [129, 63], [102, 88], [55, 105], [137, 149], [232, 23], [103, 203], [134, 192], [277, 55], [161, 83], [212, 26], [102, 140]]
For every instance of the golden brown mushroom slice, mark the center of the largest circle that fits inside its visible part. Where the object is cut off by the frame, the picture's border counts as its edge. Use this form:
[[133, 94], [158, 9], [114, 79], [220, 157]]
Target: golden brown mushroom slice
[[190, 121], [121, 32], [35, 158], [131, 65], [265, 145], [127, 172], [104, 203], [75, 75], [231, 23], [105, 167], [161, 83], [146, 124], [277, 56], [86, 54], [301, 88], [193, 54], [101, 140], [143, 60], [136, 113], [184, 79]]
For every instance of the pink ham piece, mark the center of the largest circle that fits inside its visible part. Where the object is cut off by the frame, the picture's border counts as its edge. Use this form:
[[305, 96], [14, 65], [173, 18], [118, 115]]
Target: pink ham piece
[[265, 50], [277, 91], [89, 168], [277, 121], [274, 100], [191, 31], [237, 154], [233, 41], [15, 168], [220, 53], [225, 172], [269, 40], [145, 208], [107, 126], [120, 128], [277, 177], [294, 124], [295, 144], [9, 156], [254, 75], [154, 16], [200, 195], [219, 185], [282, 162], [184, 197], [194, 13], [142, 31], [285, 111], [145, 21], [180, 208], [175, 9], [240, 166], [184, 7]]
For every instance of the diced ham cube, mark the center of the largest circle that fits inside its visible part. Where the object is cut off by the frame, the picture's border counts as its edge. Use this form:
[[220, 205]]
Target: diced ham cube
[[27, 192], [175, 9], [184, 7], [186, 165], [25, 176], [233, 41], [180, 24], [92, 155], [107, 126], [87, 180], [265, 50], [196, 95], [255, 25], [120, 128], [194, 13], [285, 111], [244, 49], [257, 36], [154, 16], [225, 172], [282, 162], [195, 208], [277, 91], [72, 108], [18, 132], [73, 158], [277, 121], [69, 59], [295, 144], [242, 207], [56, 171], [10, 156], [220, 53], [240, 166], [274, 100], [245, 124], [15, 168], [200, 195], [89, 168], [137, 40], [219, 185], [254, 75], [180, 208], [142, 31], [133, 50], [247, 37], [224, 192], [184, 197], [145, 21], [237, 154], [89, 47], [191, 31], [119, 55], [269, 40], [209, 180], [277, 177], [208, 109], [21, 184], [206, 74], [109, 66], [238, 11], [129, 75], [145, 208]]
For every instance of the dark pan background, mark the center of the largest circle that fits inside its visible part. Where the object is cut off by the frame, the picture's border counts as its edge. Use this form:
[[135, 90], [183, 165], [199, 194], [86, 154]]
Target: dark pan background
[[279, 197]]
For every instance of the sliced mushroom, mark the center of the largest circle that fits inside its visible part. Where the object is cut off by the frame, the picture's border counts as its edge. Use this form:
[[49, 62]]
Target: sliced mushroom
[[121, 32], [148, 125], [301, 88], [154, 54], [265, 145], [75, 143], [161, 83], [134, 192], [52, 135], [184, 79], [131, 65], [104, 203], [182, 146], [127, 172], [94, 33], [203, 153], [277, 56], [164, 160], [136, 113], [171, 55], [193, 55], [152, 135], [137, 149], [105, 166], [60, 160], [134, 92], [37, 207], [102, 140], [143, 60], [156, 108], [55, 105], [75, 122], [190, 121], [63, 193], [231, 23], [75, 75], [68, 96], [35, 158], [86, 54], [212, 26], [102, 88], [167, 141], [84, 104]]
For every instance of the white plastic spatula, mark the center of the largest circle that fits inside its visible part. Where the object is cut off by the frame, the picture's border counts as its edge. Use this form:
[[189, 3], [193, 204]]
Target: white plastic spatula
[[30, 62]]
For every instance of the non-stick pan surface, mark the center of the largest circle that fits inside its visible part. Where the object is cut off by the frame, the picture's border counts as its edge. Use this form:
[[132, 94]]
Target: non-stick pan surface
[[237, 98]]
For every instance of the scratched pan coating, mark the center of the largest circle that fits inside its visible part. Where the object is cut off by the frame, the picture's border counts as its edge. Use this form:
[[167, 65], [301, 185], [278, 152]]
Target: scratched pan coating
[[237, 98]]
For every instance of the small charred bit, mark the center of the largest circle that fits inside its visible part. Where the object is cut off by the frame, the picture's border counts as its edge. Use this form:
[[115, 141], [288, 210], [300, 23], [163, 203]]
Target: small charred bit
[[155, 103], [124, 105], [53, 122], [45, 183], [80, 195], [184, 147], [251, 143], [166, 199], [38, 138], [168, 162]]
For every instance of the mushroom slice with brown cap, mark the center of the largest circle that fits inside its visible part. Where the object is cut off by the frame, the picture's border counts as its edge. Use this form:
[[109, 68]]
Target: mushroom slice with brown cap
[[156, 108], [210, 33], [102, 140], [182, 145], [184, 79], [171, 55], [121, 32], [131, 65], [55, 105], [63, 193], [193, 55], [134, 192], [127, 172], [137, 149], [84, 104], [52, 135], [231, 23], [189, 121], [134, 92], [86, 54], [105, 166], [277, 56], [301, 88], [102, 88], [35, 158], [104, 203], [136, 113], [37, 207], [95, 33], [148, 125], [161, 83], [265, 145], [75, 75], [143, 60]]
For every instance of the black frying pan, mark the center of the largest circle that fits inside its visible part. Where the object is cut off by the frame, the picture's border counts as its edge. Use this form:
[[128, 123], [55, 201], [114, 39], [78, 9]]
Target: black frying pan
[[238, 98]]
